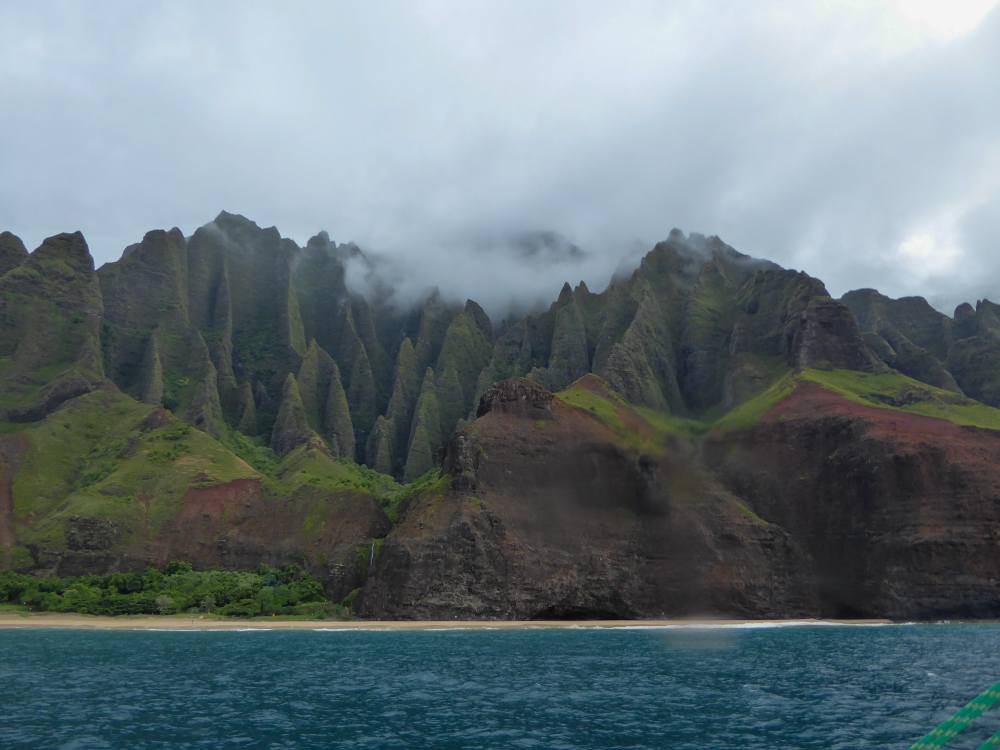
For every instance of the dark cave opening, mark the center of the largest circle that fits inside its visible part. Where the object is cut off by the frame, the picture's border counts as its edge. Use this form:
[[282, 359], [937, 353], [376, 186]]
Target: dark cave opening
[[578, 612]]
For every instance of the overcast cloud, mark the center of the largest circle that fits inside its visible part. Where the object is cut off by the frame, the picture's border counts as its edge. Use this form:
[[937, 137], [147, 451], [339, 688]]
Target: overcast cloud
[[859, 141]]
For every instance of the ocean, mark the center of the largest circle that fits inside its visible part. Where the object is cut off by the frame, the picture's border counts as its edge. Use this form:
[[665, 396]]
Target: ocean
[[736, 687]]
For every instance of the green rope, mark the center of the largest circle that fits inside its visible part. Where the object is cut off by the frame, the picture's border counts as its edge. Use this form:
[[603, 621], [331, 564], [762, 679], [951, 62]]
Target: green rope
[[991, 743], [946, 731]]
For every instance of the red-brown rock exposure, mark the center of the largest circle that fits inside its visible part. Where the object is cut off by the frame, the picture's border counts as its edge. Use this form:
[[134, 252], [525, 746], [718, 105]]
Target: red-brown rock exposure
[[825, 508], [897, 513]]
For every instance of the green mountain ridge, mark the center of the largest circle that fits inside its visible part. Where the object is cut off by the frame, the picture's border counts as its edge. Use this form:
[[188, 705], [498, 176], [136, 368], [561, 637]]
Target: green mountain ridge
[[227, 399]]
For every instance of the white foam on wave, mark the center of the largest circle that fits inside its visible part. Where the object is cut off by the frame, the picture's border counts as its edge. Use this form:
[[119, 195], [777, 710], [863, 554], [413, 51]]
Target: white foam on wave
[[169, 630], [762, 625], [470, 627], [751, 625], [345, 630]]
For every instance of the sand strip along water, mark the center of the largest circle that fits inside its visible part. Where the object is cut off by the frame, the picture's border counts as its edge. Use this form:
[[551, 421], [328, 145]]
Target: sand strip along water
[[152, 622]]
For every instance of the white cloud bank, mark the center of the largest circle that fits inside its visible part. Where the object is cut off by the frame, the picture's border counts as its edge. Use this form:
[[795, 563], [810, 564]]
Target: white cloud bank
[[857, 140]]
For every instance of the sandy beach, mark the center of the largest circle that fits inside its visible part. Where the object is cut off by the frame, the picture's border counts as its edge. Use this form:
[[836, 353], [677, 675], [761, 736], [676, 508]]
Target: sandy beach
[[152, 622]]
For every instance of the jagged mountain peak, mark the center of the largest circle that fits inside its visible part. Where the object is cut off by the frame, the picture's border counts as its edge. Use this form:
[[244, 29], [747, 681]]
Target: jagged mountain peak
[[12, 252], [70, 247], [697, 326]]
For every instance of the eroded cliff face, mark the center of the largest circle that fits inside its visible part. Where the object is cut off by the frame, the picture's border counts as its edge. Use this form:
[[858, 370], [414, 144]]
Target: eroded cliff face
[[823, 508], [545, 514], [105, 483], [898, 514], [235, 525]]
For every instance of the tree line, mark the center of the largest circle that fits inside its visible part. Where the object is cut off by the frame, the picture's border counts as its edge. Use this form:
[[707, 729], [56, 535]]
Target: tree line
[[177, 588]]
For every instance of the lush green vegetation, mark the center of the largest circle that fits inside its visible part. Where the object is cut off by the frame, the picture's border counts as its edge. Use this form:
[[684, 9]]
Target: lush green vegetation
[[175, 589], [603, 406], [309, 466], [253, 450], [647, 427], [751, 411], [100, 456], [671, 423], [887, 390], [637, 427], [894, 390]]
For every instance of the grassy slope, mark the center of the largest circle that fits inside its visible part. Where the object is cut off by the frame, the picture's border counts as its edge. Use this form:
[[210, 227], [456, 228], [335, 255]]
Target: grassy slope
[[95, 457], [896, 391], [891, 390], [308, 468], [98, 457], [621, 417]]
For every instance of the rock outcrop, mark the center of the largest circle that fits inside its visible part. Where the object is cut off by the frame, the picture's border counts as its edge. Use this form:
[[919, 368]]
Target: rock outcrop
[[12, 252], [516, 396], [291, 427], [50, 320], [827, 337], [897, 513], [543, 514]]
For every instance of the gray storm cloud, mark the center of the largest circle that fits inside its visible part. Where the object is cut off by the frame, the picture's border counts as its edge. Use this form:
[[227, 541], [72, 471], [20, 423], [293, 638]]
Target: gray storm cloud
[[825, 137]]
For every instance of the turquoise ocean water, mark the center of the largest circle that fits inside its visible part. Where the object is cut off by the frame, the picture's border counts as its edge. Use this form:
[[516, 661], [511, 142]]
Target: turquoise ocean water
[[788, 687]]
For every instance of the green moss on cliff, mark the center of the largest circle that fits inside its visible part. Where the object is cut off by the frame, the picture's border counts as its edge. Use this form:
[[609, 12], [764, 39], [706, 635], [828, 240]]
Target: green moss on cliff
[[291, 427], [248, 411], [466, 350], [569, 358], [380, 450], [425, 435], [405, 389], [338, 430], [361, 398], [641, 364], [50, 320]]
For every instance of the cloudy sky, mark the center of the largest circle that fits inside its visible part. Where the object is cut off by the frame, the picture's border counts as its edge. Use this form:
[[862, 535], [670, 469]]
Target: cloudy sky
[[857, 140]]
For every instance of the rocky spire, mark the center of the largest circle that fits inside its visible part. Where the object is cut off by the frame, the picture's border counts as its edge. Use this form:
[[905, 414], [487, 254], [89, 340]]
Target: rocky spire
[[640, 364], [451, 401], [152, 372], [314, 382], [361, 398], [380, 449], [337, 426], [12, 252], [569, 358], [425, 435], [50, 314], [466, 350], [248, 411], [204, 409], [291, 427], [405, 389]]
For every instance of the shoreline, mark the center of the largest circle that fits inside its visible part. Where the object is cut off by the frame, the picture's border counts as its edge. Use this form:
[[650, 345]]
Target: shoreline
[[50, 620]]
